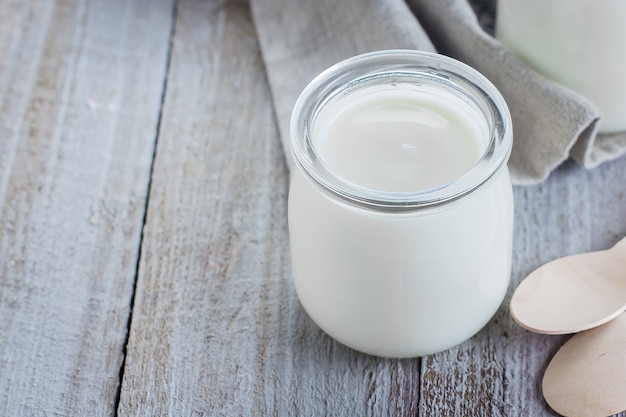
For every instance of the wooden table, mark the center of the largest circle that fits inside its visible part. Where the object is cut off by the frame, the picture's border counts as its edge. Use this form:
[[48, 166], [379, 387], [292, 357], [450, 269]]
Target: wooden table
[[144, 255]]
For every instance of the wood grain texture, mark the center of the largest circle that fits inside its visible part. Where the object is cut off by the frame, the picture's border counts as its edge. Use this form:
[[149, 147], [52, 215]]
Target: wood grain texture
[[79, 101]]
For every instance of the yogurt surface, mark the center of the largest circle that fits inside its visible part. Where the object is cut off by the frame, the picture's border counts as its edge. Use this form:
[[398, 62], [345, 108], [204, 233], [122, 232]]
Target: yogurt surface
[[400, 139]]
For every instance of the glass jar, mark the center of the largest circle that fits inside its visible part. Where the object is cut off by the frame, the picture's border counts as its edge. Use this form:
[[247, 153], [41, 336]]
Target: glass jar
[[580, 44], [390, 267]]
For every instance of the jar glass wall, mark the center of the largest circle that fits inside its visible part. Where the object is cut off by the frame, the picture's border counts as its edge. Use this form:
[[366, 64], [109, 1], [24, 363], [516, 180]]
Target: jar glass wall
[[400, 205]]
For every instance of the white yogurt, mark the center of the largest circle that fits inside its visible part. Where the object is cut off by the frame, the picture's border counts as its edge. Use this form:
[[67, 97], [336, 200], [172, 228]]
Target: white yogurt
[[388, 256], [578, 43], [400, 139]]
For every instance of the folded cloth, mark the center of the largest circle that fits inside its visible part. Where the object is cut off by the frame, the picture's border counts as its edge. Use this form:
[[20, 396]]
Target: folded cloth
[[300, 38]]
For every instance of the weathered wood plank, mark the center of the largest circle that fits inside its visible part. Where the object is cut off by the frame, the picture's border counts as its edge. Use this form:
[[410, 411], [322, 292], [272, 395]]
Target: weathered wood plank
[[80, 93]]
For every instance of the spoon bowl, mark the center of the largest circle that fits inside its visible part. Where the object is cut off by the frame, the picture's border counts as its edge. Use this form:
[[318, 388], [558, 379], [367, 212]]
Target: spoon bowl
[[573, 293], [587, 376]]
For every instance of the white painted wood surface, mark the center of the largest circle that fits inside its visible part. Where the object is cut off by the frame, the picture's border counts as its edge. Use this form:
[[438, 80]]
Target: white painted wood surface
[[80, 94], [216, 328]]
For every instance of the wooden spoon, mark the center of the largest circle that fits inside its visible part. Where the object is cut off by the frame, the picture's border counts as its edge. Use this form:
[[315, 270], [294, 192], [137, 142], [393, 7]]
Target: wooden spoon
[[587, 376], [573, 293]]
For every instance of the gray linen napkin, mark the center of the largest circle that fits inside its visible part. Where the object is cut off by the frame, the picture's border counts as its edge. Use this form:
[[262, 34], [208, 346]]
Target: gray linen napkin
[[300, 38]]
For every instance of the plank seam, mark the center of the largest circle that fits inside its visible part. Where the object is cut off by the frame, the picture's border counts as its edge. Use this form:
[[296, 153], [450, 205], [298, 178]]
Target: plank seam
[[168, 60]]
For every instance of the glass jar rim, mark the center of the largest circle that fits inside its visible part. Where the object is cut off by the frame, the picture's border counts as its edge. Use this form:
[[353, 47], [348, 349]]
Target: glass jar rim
[[389, 65]]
